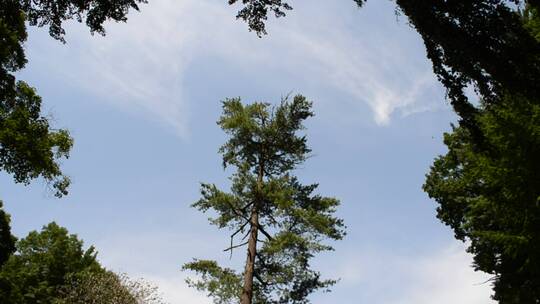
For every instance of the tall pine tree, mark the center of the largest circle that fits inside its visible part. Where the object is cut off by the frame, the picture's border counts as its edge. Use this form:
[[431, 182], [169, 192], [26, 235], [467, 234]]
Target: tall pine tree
[[282, 221]]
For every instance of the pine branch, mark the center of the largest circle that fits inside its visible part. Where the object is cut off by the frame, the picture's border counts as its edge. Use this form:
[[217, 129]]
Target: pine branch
[[232, 238], [246, 235], [293, 224], [246, 206], [273, 219], [235, 246], [258, 277], [237, 212], [264, 232]]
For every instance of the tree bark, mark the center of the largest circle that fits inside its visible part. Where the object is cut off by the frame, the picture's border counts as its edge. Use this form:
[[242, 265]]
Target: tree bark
[[247, 292]]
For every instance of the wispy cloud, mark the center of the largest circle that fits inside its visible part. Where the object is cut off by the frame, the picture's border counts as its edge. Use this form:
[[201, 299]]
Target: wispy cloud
[[142, 65]]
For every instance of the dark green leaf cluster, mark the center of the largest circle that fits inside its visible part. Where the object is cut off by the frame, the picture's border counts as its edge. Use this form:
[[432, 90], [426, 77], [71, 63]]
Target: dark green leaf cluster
[[7, 240], [255, 12], [12, 36], [293, 222], [43, 264], [491, 197], [53, 13], [482, 42]]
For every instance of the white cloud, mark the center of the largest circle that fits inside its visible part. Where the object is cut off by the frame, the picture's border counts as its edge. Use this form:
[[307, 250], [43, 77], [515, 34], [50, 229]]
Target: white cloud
[[174, 290], [368, 72], [384, 276], [141, 66], [447, 279], [443, 277]]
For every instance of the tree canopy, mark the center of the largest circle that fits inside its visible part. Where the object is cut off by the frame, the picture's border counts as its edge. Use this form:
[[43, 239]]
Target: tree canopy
[[491, 196], [52, 267], [266, 199], [43, 264]]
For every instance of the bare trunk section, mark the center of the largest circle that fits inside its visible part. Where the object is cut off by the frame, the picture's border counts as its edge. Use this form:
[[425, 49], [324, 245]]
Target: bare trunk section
[[247, 292]]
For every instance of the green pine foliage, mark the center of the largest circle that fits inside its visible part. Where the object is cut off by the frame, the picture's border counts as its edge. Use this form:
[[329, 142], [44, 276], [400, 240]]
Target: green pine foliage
[[267, 200]]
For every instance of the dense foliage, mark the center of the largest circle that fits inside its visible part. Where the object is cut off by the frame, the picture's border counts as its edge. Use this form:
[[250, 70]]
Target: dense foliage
[[491, 197], [481, 42], [7, 240], [265, 198], [51, 267], [53, 13], [43, 264], [29, 148]]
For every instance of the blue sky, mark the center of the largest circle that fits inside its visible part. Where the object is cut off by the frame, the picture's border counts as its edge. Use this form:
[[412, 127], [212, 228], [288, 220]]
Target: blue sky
[[142, 103]]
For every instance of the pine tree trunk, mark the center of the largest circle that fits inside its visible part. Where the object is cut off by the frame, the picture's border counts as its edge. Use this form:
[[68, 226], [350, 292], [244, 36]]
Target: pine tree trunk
[[247, 292]]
